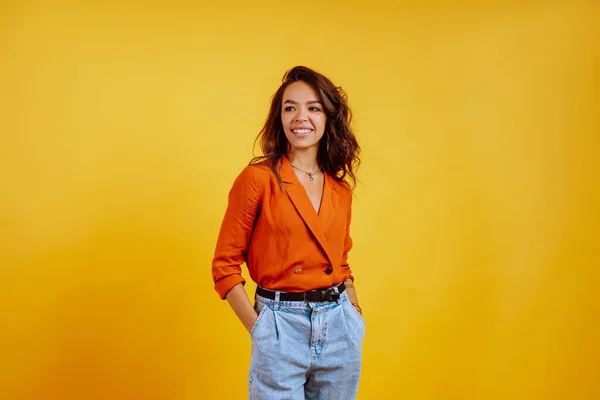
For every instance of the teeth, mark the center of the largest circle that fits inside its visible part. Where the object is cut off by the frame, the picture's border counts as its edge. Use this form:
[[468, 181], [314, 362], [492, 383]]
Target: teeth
[[302, 130]]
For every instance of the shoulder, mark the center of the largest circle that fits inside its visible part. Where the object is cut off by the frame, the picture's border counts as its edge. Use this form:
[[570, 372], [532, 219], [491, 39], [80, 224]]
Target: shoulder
[[254, 176], [343, 190]]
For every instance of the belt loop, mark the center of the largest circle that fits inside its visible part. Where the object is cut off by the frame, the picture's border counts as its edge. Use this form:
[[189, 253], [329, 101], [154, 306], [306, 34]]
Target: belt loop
[[276, 303]]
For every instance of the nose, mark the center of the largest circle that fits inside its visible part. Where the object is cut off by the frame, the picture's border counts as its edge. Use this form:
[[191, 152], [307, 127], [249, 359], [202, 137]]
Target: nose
[[301, 116]]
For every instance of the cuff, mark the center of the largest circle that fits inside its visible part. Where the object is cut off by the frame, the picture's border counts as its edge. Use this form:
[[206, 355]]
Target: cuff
[[224, 285]]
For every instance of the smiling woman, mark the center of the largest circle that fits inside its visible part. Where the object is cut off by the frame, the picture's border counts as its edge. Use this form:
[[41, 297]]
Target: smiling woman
[[306, 325]]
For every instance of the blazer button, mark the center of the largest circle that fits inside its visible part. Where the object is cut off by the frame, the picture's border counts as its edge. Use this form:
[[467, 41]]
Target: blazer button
[[329, 270], [298, 270]]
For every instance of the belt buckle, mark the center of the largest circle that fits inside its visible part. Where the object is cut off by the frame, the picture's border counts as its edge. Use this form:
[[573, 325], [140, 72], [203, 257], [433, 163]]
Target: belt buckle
[[332, 294]]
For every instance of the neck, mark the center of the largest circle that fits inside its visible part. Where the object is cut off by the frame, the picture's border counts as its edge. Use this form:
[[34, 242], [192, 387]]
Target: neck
[[304, 158]]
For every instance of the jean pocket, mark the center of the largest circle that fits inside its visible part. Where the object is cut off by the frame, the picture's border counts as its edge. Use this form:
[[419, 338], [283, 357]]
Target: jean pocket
[[261, 309], [356, 313]]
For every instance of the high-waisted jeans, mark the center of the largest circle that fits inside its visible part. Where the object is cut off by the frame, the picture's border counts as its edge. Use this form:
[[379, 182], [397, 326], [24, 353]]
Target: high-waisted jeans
[[306, 350]]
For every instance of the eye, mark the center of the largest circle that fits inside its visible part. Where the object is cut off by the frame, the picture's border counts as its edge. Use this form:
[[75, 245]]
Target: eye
[[314, 109], [288, 108]]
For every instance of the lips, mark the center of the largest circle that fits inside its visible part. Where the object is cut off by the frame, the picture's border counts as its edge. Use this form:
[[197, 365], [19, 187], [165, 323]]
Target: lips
[[302, 131]]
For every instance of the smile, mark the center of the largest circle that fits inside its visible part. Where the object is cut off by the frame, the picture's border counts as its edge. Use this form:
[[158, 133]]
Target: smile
[[302, 131]]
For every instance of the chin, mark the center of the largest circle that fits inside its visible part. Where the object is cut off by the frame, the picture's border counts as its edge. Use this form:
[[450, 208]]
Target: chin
[[303, 145]]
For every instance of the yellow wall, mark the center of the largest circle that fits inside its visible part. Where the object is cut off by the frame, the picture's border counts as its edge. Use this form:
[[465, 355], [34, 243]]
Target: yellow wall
[[475, 224]]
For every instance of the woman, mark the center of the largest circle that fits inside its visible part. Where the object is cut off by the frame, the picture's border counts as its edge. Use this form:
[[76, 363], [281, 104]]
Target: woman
[[288, 219]]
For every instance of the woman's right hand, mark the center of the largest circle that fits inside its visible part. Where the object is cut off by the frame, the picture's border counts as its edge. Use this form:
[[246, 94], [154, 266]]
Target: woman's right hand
[[240, 303], [250, 325]]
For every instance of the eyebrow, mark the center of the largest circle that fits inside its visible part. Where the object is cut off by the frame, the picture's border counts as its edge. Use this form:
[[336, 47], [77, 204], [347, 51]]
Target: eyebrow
[[308, 102]]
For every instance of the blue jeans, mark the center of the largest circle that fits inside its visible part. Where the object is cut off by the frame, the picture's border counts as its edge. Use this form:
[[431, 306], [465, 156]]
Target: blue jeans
[[305, 350]]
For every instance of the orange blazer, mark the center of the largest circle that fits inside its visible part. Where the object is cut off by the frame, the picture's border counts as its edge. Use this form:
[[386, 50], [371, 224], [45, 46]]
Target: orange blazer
[[276, 231]]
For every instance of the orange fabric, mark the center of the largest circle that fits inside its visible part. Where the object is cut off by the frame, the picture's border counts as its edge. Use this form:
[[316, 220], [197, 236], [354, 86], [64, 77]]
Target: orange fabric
[[285, 244]]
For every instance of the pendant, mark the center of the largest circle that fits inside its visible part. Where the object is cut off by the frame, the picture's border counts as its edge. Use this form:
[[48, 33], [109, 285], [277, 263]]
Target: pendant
[[310, 177]]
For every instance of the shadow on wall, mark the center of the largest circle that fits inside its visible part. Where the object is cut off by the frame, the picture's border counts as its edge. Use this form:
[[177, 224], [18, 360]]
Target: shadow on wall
[[115, 312]]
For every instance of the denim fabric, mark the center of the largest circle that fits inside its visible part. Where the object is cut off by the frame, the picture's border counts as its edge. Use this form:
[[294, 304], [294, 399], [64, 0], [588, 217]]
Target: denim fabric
[[304, 350]]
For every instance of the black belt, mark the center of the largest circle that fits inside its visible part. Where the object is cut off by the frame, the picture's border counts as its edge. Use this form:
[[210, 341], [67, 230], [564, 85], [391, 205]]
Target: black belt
[[329, 294]]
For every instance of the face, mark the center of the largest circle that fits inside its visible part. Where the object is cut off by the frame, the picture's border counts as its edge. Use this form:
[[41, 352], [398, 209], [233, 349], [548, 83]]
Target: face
[[302, 116]]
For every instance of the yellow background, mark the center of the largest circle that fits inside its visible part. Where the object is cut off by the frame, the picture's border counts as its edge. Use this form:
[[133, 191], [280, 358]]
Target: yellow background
[[475, 224]]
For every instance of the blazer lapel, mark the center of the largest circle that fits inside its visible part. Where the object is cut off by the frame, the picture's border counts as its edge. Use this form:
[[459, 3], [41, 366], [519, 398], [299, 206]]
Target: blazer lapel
[[303, 205], [326, 212]]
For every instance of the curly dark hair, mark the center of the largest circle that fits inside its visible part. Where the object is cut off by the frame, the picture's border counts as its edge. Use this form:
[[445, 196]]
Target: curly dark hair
[[338, 153]]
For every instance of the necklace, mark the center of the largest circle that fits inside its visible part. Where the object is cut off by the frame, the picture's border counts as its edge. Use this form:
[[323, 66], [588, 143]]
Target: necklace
[[310, 174]]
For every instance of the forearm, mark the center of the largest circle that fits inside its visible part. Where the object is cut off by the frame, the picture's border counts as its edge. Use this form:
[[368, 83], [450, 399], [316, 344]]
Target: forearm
[[240, 303], [352, 294]]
